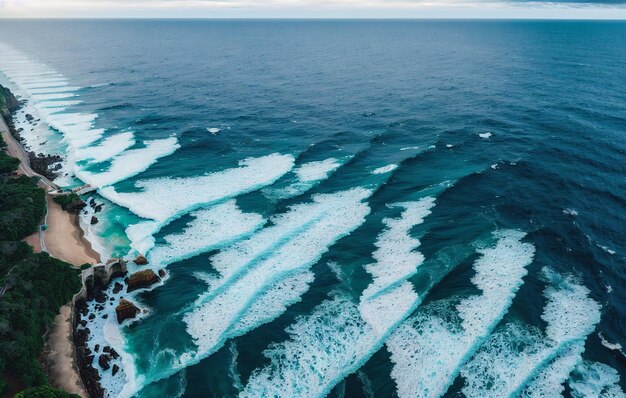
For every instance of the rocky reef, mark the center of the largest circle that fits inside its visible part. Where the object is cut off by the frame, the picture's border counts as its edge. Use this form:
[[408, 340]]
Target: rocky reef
[[126, 310], [46, 165], [142, 279]]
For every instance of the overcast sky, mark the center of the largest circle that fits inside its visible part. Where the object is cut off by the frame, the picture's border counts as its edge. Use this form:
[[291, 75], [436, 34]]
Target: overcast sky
[[602, 9]]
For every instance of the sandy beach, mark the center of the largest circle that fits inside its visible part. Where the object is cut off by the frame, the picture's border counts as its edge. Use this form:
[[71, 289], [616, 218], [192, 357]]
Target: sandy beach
[[59, 355], [64, 240]]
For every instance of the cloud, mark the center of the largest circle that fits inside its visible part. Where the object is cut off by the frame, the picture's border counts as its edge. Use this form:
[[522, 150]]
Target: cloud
[[314, 8]]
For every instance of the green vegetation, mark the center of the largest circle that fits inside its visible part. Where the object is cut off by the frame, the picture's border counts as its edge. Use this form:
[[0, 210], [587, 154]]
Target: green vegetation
[[33, 287], [8, 164], [45, 392], [68, 201], [22, 206]]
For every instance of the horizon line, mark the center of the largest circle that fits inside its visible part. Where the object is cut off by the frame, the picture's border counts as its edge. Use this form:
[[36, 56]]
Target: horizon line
[[339, 18]]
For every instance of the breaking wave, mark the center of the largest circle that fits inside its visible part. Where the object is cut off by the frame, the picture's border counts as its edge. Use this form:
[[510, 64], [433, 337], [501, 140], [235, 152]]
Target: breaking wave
[[518, 357]]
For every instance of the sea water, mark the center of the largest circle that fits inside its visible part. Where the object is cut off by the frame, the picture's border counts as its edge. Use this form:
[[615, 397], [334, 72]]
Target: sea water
[[346, 208]]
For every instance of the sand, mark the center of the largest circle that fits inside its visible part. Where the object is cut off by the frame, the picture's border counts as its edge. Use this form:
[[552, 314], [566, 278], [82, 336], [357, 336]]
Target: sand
[[59, 355], [64, 239]]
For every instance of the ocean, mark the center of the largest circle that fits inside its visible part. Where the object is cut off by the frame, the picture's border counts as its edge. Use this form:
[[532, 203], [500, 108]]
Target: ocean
[[345, 208]]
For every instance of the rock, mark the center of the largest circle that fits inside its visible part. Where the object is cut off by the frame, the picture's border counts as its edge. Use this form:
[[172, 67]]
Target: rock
[[117, 288], [92, 317], [94, 220], [30, 117], [41, 163], [103, 361], [83, 323], [141, 260], [106, 349], [9, 102], [98, 208], [97, 348], [114, 354], [115, 370], [162, 273], [105, 316], [142, 279], [125, 310]]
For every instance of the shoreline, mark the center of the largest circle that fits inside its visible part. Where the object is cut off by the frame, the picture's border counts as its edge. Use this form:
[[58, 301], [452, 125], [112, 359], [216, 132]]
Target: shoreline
[[65, 240]]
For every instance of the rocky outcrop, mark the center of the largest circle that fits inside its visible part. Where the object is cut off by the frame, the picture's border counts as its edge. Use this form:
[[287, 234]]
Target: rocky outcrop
[[125, 310], [84, 356], [141, 260], [94, 220], [8, 102], [162, 273], [142, 279], [103, 361], [46, 165]]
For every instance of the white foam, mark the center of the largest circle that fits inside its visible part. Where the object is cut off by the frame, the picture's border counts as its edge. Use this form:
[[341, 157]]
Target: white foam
[[141, 236], [595, 380], [274, 302], [385, 169], [340, 336], [262, 275], [214, 130], [252, 267], [211, 229], [514, 357], [485, 135], [549, 381], [52, 90], [110, 147], [321, 346], [163, 199], [424, 369], [307, 176], [608, 344], [315, 171], [395, 258], [131, 163]]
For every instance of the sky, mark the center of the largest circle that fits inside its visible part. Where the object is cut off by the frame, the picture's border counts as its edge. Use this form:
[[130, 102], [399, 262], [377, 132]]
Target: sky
[[570, 9]]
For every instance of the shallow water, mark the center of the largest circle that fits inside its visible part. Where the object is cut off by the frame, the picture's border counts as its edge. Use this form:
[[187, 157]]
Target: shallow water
[[288, 234]]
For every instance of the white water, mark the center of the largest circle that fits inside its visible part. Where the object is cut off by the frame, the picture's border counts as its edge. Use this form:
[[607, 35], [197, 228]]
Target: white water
[[130, 162], [163, 199], [595, 380], [428, 349], [305, 177], [211, 229], [262, 275], [337, 338], [110, 147], [258, 269], [513, 358]]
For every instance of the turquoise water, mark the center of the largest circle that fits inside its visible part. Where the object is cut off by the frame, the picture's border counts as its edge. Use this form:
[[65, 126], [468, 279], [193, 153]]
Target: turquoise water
[[347, 208]]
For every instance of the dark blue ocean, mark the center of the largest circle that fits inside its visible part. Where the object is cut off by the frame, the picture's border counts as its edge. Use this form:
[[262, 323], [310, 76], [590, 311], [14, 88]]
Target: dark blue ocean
[[346, 208]]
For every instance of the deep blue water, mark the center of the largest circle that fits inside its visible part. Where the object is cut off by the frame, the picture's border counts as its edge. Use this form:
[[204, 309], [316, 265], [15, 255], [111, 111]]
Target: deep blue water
[[508, 125]]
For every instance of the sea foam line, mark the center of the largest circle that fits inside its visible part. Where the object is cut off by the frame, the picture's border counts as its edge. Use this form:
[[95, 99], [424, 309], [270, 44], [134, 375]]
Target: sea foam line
[[500, 369], [47, 89], [211, 228], [423, 368], [336, 339], [271, 267], [305, 177], [163, 199]]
